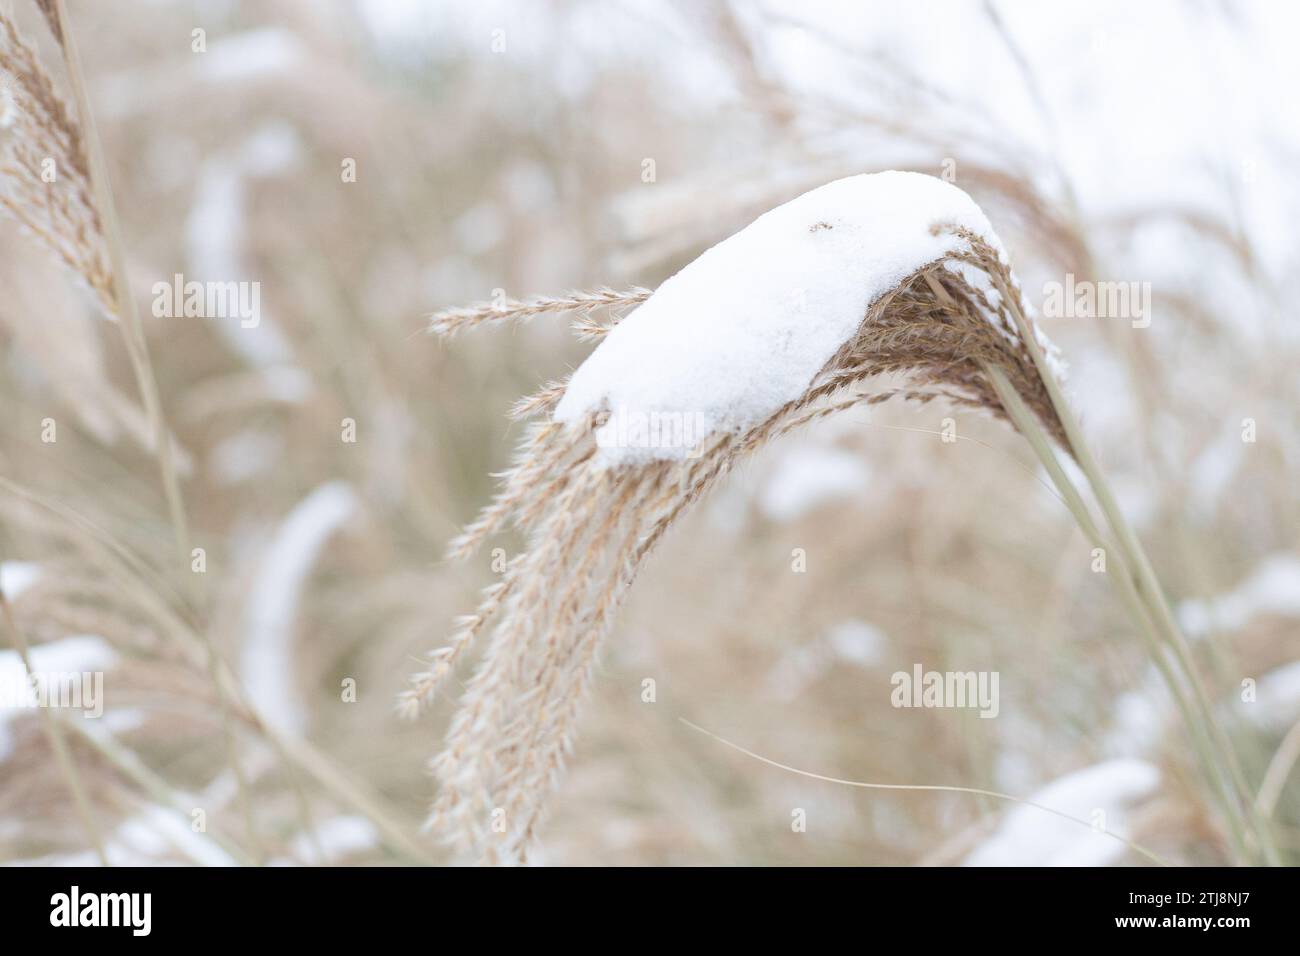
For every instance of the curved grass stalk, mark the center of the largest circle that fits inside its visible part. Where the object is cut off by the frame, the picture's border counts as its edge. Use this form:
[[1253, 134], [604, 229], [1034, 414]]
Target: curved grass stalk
[[1140, 614], [135, 577], [1148, 586], [147, 780], [142, 366], [1279, 769], [955, 327], [932, 787]]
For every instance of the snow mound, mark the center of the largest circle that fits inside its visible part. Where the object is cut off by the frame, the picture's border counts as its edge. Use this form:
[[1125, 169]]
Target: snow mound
[[71, 655], [270, 670], [1102, 795], [743, 329], [1277, 699], [1272, 588], [810, 478]]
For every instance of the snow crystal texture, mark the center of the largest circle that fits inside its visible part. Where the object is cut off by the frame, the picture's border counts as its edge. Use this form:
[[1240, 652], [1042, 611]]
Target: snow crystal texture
[[744, 328]]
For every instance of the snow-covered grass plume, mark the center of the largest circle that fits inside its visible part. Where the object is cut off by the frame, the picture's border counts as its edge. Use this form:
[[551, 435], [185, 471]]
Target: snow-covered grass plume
[[892, 274]]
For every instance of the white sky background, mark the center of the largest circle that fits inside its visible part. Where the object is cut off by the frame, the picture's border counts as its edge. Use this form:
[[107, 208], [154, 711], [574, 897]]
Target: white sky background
[[1176, 105], [1151, 101]]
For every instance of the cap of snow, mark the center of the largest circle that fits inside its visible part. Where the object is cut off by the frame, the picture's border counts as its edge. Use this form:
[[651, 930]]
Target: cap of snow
[[744, 328]]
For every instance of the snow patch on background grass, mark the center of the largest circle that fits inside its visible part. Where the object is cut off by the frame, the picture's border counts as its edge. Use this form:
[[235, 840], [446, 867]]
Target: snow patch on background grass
[[1028, 836]]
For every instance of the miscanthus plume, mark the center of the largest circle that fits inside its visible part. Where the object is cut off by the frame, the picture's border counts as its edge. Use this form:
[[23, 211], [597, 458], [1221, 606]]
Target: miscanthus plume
[[895, 275]]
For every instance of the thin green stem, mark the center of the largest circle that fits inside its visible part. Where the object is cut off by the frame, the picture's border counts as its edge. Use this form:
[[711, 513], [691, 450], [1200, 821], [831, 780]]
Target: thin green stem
[[1143, 577], [1279, 769], [1029, 427]]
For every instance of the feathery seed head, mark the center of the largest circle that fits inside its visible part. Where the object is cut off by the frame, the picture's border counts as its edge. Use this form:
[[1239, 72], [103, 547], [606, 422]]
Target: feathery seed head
[[45, 186], [894, 274]]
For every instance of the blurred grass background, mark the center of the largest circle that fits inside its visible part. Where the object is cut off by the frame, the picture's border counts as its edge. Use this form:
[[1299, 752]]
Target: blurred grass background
[[503, 146]]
